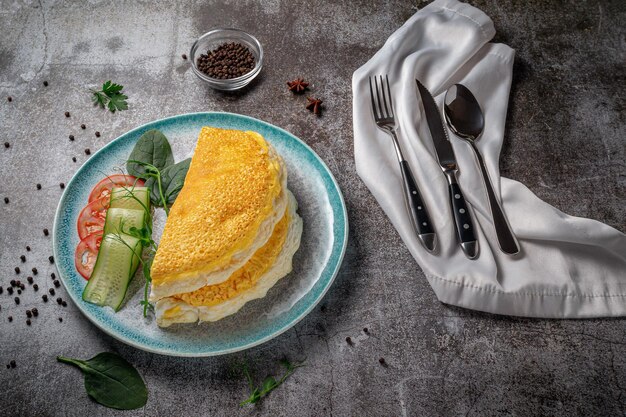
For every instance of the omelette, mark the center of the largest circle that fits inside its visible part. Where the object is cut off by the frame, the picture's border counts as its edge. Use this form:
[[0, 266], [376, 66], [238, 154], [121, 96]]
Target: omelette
[[230, 235]]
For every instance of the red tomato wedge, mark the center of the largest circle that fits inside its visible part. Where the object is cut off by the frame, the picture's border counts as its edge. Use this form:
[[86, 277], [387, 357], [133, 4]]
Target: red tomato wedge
[[92, 217], [103, 188], [86, 254]]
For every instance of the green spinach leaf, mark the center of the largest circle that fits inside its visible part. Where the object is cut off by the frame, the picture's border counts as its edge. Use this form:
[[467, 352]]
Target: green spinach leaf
[[172, 181], [111, 381], [151, 148]]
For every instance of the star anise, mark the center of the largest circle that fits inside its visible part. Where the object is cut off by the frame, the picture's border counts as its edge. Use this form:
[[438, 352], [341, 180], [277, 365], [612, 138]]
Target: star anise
[[314, 105], [297, 86]]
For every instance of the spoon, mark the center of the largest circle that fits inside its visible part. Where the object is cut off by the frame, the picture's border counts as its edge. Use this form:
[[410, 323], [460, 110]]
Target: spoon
[[465, 118]]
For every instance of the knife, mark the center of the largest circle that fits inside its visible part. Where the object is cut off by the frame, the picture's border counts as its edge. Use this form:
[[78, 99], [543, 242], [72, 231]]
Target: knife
[[445, 155]]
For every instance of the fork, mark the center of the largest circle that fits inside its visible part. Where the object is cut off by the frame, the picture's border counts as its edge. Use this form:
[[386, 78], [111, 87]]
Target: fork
[[382, 108]]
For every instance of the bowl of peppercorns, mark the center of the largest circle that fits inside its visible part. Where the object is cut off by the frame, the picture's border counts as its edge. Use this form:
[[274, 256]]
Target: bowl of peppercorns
[[227, 59]]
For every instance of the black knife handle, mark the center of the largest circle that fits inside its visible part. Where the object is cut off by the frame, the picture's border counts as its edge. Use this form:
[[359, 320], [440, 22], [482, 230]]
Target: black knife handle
[[416, 207], [462, 219]]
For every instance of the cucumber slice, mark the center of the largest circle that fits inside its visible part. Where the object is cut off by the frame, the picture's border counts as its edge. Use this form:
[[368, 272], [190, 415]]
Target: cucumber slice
[[121, 219], [116, 264], [136, 198]]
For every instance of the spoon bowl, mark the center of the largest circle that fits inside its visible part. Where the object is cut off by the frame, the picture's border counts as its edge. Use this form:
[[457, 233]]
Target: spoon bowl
[[466, 119]]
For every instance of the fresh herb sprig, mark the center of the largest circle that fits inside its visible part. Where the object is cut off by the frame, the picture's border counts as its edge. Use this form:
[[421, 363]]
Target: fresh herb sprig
[[111, 381], [269, 383], [110, 96]]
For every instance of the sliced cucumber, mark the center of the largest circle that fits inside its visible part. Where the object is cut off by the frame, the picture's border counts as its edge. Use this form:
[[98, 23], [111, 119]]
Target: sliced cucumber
[[136, 198], [118, 259], [121, 220]]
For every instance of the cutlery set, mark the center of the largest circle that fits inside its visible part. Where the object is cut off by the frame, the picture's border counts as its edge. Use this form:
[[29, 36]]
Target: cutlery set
[[465, 118]]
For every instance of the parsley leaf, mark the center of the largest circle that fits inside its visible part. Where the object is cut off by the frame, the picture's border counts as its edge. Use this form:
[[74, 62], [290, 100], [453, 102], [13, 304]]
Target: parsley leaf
[[110, 96], [269, 383]]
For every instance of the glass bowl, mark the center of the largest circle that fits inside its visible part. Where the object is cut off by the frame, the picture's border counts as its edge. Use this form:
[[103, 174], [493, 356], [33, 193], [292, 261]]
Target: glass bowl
[[216, 37]]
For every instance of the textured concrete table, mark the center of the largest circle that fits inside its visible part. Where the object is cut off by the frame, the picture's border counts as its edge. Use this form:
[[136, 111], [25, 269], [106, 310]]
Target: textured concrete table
[[565, 140]]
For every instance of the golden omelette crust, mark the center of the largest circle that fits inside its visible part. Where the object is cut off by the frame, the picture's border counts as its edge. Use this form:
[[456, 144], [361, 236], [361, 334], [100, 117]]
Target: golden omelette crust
[[245, 277], [229, 190]]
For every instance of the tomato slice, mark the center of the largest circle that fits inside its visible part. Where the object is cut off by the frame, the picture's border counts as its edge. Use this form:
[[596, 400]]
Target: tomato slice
[[92, 217], [86, 254], [103, 188]]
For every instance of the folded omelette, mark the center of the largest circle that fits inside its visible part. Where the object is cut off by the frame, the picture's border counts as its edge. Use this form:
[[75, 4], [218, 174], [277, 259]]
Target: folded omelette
[[231, 233]]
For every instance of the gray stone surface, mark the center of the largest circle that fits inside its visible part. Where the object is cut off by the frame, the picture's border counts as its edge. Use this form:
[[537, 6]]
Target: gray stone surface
[[565, 140]]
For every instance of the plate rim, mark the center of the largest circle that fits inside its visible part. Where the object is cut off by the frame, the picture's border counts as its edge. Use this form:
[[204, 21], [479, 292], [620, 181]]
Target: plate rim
[[246, 346]]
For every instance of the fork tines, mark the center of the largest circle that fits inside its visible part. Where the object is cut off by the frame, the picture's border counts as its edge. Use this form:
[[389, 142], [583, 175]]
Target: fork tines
[[382, 105]]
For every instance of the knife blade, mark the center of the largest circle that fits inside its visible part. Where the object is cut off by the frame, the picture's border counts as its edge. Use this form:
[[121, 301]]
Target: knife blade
[[447, 160]]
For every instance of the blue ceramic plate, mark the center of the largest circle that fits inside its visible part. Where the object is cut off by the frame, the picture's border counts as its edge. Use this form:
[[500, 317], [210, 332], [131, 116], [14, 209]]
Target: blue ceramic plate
[[315, 264]]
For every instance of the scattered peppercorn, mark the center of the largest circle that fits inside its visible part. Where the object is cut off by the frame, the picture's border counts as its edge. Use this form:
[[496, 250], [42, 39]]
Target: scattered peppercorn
[[45, 83], [53, 275], [365, 330], [9, 99], [10, 290], [60, 319], [17, 300], [87, 151], [6, 200], [59, 300], [29, 314], [7, 144], [82, 126], [229, 60], [44, 298], [51, 259], [64, 303], [39, 186], [10, 318], [382, 361], [62, 185], [35, 272], [184, 56], [13, 283], [30, 280], [36, 287], [67, 114], [51, 291], [45, 232], [97, 134], [1, 290], [23, 287], [73, 159], [349, 340], [19, 292], [17, 269], [72, 137], [13, 364], [23, 258], [27, 248], [28, 322], [35, 312], [57, 284]]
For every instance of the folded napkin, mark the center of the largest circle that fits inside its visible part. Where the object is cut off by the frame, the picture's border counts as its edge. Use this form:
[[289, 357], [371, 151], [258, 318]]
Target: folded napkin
[[568, 266]]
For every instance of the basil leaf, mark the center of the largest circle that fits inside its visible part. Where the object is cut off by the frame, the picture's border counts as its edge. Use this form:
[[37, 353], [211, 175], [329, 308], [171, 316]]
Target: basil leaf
[[111, 381], [151, 148], [172, 181]]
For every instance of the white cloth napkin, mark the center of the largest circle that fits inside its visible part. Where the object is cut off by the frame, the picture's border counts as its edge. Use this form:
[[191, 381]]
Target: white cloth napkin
[[568, 266]]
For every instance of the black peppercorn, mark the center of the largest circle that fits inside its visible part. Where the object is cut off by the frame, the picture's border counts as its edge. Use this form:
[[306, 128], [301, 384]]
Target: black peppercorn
[[73, 159], [44, 298], [97, 134], [35, 312], [382, 361], [36, 287], [13, 283], [46, 232], [13, 364], [10, 290], [35, 272], [365, 330], [59, 300], [64, 303], [30, 280], [7, 144], [87, 151], [1, 290], [349, 340], [72, 137], [62, 185], [19, 292], [17, 300], [184, 56], [60, 319], [27, 248], [23, 258], [9, 99], [57, 284], [51, 259], [51, 291], [83, 126], [17, 269], [45, 83], [39, 186], [29, 314], [53, 275], [67, 114], [10, 318], [6, 200], [28, 322]]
